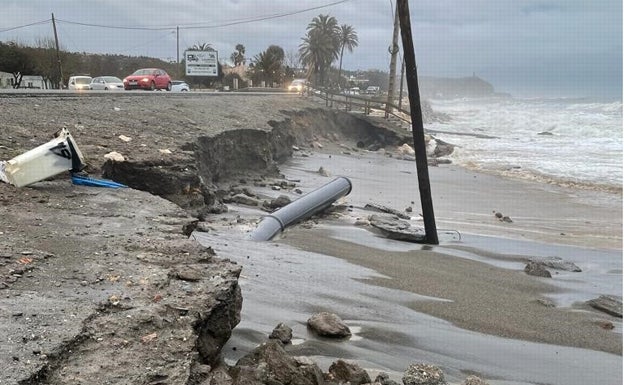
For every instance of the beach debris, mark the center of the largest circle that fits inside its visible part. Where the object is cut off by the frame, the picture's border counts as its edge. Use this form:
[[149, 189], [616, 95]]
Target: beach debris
[[83, 180], [423, 374], [344, 372], [327, 324], [537, 270], [113, 155], [385, 209], [59, 155], [607, 303], [282, 333], [397, 229], [474, 380], [406, 149], [557, 263]]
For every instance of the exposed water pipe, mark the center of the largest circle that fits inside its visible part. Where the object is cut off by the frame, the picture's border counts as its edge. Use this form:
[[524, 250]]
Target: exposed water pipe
[[301, 209]]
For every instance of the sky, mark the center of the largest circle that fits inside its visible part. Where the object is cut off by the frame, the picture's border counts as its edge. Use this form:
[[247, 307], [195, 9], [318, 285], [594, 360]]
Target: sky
[[555, 48]]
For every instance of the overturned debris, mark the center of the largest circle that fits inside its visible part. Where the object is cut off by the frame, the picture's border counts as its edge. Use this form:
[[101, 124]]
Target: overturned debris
[[60, 154], [398, 229]]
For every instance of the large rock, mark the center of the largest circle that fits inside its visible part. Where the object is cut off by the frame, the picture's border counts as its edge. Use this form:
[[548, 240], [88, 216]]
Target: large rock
[[557, 263], [608, 304], [537, 270], [423, 374], [347, 372], [270, 364], [282, 333], [328, 325]]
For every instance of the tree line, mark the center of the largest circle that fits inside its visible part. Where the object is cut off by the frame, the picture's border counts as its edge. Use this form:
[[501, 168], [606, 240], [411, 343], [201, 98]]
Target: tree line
[[325, 43]]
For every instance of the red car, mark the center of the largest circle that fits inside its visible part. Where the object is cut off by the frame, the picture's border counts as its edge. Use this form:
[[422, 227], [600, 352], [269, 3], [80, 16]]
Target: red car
[[148, 79]]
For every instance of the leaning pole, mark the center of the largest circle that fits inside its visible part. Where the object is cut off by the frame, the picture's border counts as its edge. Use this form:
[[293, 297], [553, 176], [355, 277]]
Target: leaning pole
[[418, 131]]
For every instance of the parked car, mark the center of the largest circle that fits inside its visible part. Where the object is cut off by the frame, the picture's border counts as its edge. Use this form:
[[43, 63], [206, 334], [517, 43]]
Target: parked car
[[179, 86], [148, 79], [297, 85], [79, 82], [372, 90], [106, 83]]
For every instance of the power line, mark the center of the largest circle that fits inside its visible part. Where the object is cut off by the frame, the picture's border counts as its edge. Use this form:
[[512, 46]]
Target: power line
[[25, 25], [196, 26]]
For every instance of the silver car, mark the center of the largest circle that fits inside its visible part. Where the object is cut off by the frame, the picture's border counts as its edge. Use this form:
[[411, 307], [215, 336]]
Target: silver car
[[106, 83], [179, 86]]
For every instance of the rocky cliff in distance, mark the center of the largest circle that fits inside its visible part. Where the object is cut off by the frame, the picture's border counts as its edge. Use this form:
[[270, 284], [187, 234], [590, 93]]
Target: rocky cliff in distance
[[452, 88]]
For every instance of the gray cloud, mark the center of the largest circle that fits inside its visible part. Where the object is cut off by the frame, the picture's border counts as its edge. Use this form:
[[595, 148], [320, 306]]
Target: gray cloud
[[497, 39]]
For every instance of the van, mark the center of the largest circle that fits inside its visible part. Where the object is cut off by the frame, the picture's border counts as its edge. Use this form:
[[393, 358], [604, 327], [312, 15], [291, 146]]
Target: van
[[79, 82]]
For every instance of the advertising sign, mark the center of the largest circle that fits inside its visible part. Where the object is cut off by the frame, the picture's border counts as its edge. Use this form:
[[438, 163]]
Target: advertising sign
[[201, 63]]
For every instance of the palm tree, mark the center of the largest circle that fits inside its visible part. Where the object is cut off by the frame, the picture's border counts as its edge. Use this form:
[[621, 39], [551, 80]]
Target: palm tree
[[202, 47], [268, 65], [238, 56], [320, 46], [348, 40]]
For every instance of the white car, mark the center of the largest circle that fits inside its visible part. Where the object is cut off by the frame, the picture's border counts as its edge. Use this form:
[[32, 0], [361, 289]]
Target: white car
[[179, 86], [79, 82], [106, 83]]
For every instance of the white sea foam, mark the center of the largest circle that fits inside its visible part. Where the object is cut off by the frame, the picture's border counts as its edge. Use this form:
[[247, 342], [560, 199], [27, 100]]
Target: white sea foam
[[572, 142]]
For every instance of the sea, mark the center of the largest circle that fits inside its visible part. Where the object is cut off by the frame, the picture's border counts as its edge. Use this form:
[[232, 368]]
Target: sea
[[566, 141]]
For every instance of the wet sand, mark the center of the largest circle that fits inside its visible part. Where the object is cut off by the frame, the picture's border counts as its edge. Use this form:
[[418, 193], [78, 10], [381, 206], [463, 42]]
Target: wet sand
[[486, 314]]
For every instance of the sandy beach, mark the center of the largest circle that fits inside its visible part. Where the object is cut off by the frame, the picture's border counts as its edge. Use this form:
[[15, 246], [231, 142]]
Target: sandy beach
[[474, 279]]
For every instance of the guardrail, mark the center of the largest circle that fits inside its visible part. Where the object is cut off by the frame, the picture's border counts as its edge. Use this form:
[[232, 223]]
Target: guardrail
[[362, 103]]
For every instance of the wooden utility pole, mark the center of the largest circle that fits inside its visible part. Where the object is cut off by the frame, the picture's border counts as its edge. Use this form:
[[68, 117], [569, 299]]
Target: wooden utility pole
[[58, 53], [418, 131], [394, 50]]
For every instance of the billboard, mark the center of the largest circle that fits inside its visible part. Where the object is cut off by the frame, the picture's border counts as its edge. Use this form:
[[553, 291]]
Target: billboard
[[201, 63]]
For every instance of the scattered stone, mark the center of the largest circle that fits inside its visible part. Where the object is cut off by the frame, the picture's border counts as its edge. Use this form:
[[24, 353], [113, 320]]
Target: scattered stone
[[557, 263], [125, 138], [245, 200], [327, 324], [384, 379], [537, 270], [361, 222], [408, 209], [323, 172], [506, 219], [423, 374], [188, 274], [474, 380], [546, 302], [498, 215], [346, 372], [607, 325], [282, 333], [397, 229], [279, 202], [608, 304]]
